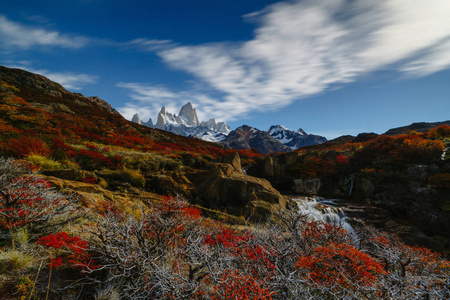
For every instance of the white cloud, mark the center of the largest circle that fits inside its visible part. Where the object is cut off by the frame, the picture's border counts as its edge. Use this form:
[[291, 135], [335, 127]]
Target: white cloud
[[148, 100], [16, 35], [303, 48]]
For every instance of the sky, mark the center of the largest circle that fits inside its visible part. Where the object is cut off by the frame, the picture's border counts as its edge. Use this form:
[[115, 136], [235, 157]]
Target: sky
[[330, 67]]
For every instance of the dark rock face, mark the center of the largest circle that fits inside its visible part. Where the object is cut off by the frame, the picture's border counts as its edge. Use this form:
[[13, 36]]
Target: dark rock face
[[419, 127], [306, 187], [246, 137]]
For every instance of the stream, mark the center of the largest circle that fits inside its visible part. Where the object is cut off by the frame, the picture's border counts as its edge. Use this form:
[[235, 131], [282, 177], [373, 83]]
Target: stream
[[325, 210]]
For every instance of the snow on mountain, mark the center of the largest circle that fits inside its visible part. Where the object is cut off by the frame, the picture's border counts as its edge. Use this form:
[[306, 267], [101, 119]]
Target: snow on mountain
[[294, 139], [275, 139], [187, 124]]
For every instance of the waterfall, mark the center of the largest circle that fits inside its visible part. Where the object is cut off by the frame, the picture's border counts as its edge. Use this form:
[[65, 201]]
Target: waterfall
[[325, 210], [444, 153]]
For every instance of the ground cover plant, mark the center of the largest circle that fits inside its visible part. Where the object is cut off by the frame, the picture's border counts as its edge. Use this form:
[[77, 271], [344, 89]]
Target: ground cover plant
[[167, 250]]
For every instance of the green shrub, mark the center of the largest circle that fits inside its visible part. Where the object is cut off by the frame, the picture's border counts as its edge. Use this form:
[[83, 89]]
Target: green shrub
[[43, 162], [134, 177]]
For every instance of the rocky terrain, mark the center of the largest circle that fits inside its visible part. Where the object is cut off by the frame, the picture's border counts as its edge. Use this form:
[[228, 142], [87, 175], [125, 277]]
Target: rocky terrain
[[61, 127]]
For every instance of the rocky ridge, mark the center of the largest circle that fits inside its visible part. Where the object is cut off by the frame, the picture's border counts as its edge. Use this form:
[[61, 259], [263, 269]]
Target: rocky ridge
[[247, 137], [295, 139], [418, 127], [103, 104]]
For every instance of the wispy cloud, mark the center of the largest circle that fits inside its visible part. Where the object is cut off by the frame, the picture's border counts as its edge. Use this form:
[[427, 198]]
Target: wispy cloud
[[148, 44], [14, 35], [303, 48], [148, 100], [69, 80]]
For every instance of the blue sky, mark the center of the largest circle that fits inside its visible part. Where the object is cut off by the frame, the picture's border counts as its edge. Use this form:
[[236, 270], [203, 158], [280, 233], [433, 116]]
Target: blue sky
[[329, 67]]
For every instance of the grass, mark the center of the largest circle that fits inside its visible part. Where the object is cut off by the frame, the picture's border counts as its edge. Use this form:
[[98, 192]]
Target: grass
[[15, 260], [44, 163]]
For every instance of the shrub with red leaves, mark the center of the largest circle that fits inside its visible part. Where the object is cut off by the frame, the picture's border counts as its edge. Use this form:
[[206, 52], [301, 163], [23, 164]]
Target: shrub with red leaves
[[75, 251]]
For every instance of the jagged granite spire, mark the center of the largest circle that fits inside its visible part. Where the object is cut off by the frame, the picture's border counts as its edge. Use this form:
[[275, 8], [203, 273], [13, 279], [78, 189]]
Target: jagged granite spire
[[136, 119], [188, 115], [187, 124]]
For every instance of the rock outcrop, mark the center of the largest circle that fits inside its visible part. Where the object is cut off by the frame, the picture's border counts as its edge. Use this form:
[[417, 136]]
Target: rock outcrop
[[225, 187], [103, 104]]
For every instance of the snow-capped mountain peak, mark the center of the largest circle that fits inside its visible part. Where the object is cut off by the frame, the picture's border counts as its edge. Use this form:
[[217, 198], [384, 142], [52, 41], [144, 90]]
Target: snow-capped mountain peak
[[294, 139], [187, 124]]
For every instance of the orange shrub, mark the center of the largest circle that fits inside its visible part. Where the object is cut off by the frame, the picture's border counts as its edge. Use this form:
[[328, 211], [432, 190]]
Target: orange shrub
[[340, 265], [439, 132]]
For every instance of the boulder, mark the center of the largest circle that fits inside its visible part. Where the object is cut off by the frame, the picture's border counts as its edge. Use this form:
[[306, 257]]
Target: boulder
[[95, 197], [222, 187], [234, 160]]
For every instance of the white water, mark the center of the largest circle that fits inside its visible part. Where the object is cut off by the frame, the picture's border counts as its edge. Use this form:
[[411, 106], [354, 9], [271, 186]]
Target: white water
[[445, 153], [325, 210]]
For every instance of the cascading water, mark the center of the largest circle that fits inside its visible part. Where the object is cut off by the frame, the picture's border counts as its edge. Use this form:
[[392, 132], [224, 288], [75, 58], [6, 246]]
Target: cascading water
[[444, 153], [320, 209]]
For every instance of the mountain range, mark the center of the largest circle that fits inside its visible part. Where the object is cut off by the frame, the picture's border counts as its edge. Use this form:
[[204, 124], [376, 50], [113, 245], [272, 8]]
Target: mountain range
[[277, 139], [186, 123]]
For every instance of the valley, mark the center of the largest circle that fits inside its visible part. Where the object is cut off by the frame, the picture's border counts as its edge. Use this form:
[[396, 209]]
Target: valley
[[154, 214]]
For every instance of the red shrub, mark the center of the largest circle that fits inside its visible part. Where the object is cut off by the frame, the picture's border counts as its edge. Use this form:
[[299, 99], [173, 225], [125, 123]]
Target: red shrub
[[233, 285], [25, 146], [340, 265], [76, 250]]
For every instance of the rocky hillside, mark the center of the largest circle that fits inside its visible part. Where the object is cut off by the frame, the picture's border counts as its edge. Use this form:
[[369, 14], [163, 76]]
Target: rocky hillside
[[80, 139], [418, 127], [247, 137]]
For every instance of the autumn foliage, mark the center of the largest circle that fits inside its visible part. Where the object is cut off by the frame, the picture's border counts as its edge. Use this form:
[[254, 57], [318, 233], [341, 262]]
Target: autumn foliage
[[73, 251], [340, 265], [169, 251]]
